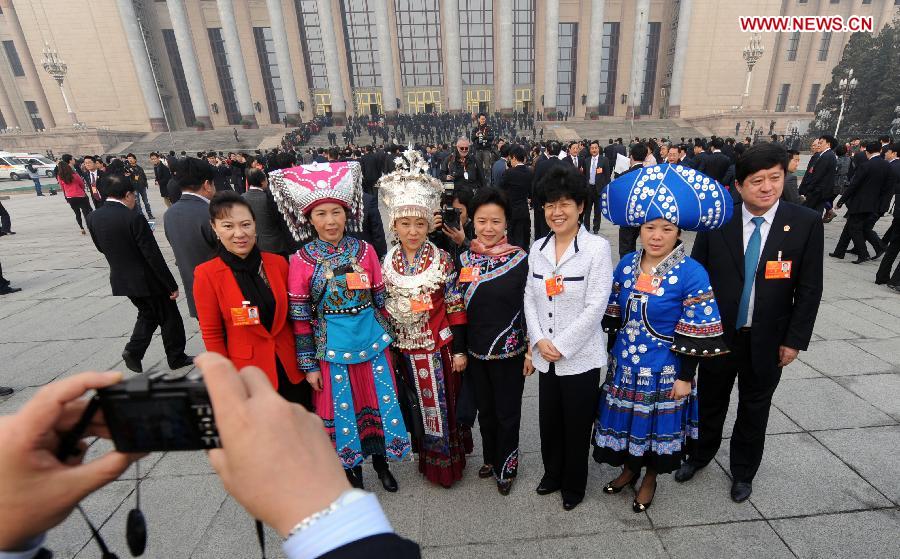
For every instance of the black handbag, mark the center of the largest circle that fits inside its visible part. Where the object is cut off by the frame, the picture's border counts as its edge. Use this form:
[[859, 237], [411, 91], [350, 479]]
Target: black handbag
[[409, 406]]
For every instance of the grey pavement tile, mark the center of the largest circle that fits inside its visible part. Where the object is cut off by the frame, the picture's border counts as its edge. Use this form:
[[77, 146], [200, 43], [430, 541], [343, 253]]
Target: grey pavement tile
[[232, 533], [703, 500], [16, 400], [494, 519], [835, 358], [840, 320], [886, 350], [871, 451], [12, 306], [887, 301], [860, 534], [178, 511], [177, 464], [643, 544], [747, 540], [799, 369], [871, 311], [529, 549], [73, 535], [822, 403], [799, 476], [406, 508], [882, 391]]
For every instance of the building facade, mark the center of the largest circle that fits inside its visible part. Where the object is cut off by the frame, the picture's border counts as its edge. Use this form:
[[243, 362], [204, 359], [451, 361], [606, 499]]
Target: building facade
[[134, 65]]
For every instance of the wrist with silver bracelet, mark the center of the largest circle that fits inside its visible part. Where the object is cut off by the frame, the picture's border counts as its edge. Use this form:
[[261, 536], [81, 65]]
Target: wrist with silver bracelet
[[345, 498]]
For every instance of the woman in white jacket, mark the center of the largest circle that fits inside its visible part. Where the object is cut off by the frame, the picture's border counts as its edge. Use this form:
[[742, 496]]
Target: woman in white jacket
[[565, 297]]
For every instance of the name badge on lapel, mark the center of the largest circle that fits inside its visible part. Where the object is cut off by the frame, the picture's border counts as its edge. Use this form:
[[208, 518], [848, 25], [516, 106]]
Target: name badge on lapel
[[469, 274], [648, 283], [357, 281], [778, 269], [554, 285], [245, 315]]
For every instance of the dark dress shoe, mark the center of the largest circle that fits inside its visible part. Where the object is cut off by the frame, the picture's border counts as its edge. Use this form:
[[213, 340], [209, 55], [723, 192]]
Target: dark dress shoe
[[5, 391], [504, 486], [685, 472], [132, 362], [894, 287], [354, 476], [878, 254], [740, 491], [861, 260], [569, 505], [388, 481], [641, 507], [611, 489], [486, 471], [836, 255], [7, 290], [185, 361], [546, 488]]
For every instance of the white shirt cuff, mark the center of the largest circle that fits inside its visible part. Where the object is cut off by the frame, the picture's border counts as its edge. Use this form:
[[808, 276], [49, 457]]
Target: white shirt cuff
[[354, 521]]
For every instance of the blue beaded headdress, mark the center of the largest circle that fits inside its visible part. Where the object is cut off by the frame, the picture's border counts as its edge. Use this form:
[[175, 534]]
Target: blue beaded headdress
[[679, 194]]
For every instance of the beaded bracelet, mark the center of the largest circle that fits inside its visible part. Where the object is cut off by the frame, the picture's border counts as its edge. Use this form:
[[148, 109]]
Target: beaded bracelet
[[346, 497]]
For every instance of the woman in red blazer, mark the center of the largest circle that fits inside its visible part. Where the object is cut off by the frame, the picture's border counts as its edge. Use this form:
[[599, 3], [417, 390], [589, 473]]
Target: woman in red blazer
[[242, 301]]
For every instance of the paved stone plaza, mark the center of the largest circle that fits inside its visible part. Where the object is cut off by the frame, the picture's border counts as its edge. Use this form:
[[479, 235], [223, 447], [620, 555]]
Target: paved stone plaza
[[828, 486]]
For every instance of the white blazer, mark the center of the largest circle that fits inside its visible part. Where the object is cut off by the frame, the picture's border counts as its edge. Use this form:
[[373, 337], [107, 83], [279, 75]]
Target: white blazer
[[570, 320]]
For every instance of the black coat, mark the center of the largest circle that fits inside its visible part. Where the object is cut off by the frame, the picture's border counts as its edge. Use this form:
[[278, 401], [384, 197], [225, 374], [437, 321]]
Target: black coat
[[784, 310], [380, 545], [162, 178], [272, 233], [818, 182], [222, 178], [454, 168], [516, 183], [585, 168], [372, 226], [136, 265], [871, 189], [371, 165], [715, 165]]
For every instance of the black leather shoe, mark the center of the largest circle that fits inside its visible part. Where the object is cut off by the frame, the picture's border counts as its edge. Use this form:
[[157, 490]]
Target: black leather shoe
[[5, 391], [878, 254], [611, 489], [504, 486], [836, 255], [740, 491], [569, 505], [186, 361], [861, 260], [546, 488], [7, 290], [132, 362], [894, 287], [355, 480], [388, 481], [685, 472], [486, 471]]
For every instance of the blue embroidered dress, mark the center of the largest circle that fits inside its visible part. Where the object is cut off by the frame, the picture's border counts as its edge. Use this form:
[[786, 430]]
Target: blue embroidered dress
[[343, 333], [659, 339]]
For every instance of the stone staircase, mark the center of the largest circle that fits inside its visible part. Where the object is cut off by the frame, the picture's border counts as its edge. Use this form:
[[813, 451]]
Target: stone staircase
[[604, 129]]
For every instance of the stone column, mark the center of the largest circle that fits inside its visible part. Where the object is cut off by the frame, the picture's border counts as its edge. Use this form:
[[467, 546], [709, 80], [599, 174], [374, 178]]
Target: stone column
[[639, 54], [551, 57], [595, 57], [182, 28], [450, 14], [681, 43], [235, 57], [505, 60], [283, 57], [386, 57], [6, 107], [142, 65], [332, 63], [27, 60]]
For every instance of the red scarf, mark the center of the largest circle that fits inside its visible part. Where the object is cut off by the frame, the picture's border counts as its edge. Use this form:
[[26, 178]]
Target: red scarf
[[502, 248]]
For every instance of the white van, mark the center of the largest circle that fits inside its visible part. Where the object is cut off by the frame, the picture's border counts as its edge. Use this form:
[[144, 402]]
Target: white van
[[44, 166], [11, 167]]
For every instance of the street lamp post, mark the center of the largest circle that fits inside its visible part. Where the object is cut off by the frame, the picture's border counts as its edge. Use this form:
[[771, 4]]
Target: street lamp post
[[845, 89], [752, 53], [57, 69]]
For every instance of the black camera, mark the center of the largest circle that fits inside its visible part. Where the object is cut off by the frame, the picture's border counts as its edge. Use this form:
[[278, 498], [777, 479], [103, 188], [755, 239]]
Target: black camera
[[449, 214], [159, 412]]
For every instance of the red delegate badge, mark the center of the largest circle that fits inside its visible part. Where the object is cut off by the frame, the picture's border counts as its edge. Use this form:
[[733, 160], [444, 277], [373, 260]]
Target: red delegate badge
[[356, 281], [554, 285]]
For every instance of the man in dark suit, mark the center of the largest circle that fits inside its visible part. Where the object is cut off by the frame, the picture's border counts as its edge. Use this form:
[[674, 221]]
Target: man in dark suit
[[187, 222], [92, 177], [372, 227], [610, 152], [137, 270], [765, 268], [371, 169], [222, 172], [715, 164], [628, 236], [544, 164], [572, 152], [864, 198], [161, 175], [892, 236], [272, 233], [516, 183], [818, 182], [594, 168]]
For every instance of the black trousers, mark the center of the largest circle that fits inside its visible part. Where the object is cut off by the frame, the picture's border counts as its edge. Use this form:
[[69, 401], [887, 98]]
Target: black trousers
[[855, 230], [756, 385], [628, 237], [498, 392], [157, 311], [592, 209], [519, 231], [80, 206], [5, 222], [3, 281], [567, 406], [892, 238]]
